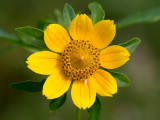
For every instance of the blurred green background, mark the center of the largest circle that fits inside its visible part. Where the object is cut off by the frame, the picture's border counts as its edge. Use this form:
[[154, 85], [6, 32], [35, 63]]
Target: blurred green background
[[140, 101]]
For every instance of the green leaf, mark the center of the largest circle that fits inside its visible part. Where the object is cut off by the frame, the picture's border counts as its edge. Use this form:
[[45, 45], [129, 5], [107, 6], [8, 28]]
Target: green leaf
[[141, 17], [60, 19], [14, 39], [131, 45], [94, 111], [97, 12], [43, 23], [32, 36], [57, 103], [121, 79], [68, 13], [28, 34], [29, 86]]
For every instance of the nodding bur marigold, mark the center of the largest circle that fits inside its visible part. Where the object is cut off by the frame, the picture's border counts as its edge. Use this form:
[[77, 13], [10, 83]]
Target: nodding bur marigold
[[80, 60]]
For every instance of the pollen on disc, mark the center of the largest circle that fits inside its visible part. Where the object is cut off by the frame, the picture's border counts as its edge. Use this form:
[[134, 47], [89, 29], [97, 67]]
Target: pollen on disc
[[80, 59]]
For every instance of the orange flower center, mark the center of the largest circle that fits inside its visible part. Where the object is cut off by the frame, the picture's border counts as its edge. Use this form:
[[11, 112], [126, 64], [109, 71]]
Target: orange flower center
[[80, 59]]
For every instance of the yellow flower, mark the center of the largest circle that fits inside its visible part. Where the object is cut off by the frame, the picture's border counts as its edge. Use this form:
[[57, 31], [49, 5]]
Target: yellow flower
[[79, 61]]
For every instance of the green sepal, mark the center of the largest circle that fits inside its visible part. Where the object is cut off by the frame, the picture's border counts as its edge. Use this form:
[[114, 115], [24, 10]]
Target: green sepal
[[28, 86], [94, 110], [141, 17], [57, 103], [131, 45], [97, 12], [68, 13]]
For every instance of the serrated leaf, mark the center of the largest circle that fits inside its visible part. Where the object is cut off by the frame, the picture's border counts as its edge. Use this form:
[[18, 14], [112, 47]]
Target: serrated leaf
[[68, 13], [131, 45], [32, 36], [141, 17], [121, 79], [29, 86], [97, 12], [94, 111], [57, 103]]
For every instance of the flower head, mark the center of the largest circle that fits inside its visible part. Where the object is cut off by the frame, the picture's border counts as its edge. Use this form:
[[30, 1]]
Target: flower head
[[80, 60]]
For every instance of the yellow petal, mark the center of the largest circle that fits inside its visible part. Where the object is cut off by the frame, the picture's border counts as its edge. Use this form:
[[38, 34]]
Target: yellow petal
[[56, 85], [56, 37], [44, 62], [103, 33], [83, 93], [114, 56], [81, 27], [104, 82]]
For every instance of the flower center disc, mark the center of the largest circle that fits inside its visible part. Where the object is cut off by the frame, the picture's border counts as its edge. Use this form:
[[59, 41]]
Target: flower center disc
[[80, 59]]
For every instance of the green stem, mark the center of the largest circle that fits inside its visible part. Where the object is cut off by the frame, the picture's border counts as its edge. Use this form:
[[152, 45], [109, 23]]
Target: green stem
[[78, 114]]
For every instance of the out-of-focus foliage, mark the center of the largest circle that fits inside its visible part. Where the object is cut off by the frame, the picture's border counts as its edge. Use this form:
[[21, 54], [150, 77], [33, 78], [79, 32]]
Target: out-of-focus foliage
[[141, 17], [9, 37]]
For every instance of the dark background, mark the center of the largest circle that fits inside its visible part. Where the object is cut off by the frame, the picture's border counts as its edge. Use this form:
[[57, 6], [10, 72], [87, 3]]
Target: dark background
[[139, 101]]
